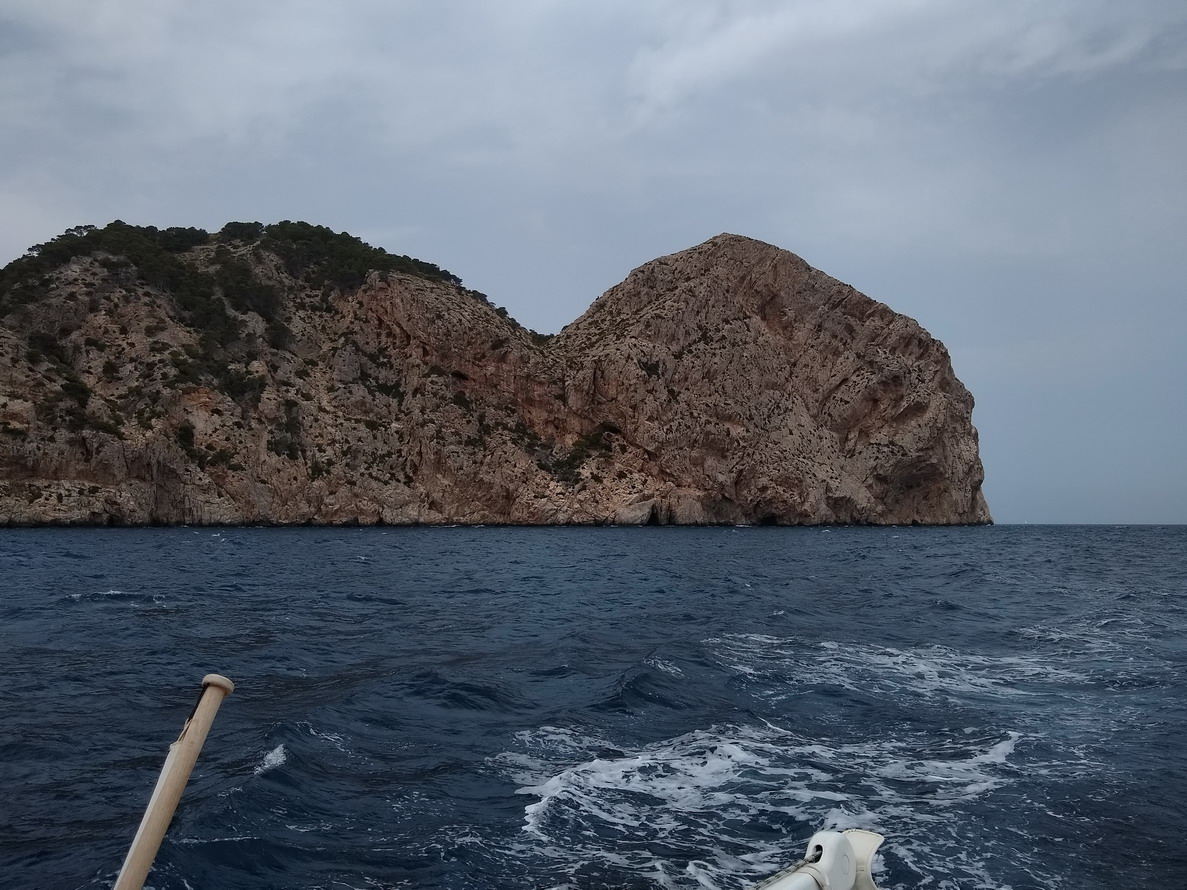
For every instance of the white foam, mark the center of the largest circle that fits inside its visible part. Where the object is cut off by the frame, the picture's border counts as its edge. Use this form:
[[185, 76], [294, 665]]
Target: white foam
[[1001, 751], [238, 838], [1094, 632], [665, 666], [719, 791], [104, 594], [702, 790], [134, 600], [955, 779], [930, 671], [334, 738], [274, 758]]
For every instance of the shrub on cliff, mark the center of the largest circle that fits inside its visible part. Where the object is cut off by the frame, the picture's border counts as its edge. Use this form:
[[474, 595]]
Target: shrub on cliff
[[315, 253], [324, 256], [247, 232], [151, 251], [243, 290]]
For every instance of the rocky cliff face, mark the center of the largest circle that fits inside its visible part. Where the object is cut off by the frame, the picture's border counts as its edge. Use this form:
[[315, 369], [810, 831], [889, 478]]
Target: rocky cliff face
[[285, 374]]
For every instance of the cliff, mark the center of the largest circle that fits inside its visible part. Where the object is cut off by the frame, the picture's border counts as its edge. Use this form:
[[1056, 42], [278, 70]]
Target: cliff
[[289, 374]]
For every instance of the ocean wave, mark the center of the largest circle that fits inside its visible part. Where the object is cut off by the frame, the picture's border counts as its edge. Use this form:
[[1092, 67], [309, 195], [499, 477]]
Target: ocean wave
[[788, 667], [1098, 631], [660, 665], [670, 715], [273, 759], [113, 596], [723, 806]]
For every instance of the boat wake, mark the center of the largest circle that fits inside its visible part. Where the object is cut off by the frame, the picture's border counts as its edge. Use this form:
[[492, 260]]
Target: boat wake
[[728, 805]]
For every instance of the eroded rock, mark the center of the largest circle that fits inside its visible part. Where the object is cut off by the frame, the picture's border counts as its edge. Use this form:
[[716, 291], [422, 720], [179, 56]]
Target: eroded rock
[[728, 383]]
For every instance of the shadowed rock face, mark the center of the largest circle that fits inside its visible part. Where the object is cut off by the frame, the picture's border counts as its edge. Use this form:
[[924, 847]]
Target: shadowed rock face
[[728, 383]]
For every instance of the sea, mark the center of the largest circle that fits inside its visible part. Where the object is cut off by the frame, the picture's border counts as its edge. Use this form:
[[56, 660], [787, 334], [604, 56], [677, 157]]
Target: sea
[[598, 707]]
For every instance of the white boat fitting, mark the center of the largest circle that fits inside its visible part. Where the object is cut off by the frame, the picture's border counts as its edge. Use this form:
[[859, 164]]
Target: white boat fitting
[[836, 860]]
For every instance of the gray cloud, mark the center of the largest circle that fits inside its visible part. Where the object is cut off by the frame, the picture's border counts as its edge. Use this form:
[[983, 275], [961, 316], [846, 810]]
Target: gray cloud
[[1006, 172]]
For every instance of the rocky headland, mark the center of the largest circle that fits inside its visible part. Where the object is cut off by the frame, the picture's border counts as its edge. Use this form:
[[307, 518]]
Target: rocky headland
[[289, 374]]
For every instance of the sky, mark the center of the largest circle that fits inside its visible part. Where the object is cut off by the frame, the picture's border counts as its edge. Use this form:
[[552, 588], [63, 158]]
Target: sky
[[1010, 173]]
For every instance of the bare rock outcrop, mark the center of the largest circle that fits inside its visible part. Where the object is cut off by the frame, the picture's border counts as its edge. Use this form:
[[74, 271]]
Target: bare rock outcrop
[[288, 374]]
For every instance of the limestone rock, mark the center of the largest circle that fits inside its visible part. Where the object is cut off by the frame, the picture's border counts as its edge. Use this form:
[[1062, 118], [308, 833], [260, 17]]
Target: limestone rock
[[289, 375]]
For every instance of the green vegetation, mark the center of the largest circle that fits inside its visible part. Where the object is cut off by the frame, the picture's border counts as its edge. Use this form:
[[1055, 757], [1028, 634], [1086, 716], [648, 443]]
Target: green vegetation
[[536, 337], [185, 437], [323, 256], [152, 256], [285, 437], [241, 386], [593, 444], [150, 250], [112, 428], [43, 345], [246, 293], [243, 290], [220, 457], [245, 232], [391, 390], [210, 291], [316, 254], [77, 390], [567, 466], [68, 405]]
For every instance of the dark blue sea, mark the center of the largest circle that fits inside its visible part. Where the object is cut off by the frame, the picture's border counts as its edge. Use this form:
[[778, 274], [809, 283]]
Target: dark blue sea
[[598, 708]]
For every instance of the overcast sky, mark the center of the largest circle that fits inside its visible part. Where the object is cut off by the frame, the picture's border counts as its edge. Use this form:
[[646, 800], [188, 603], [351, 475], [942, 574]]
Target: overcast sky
[[1011, 173]]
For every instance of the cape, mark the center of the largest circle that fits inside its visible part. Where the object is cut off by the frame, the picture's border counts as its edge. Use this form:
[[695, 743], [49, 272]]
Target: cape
[[289, 374]]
